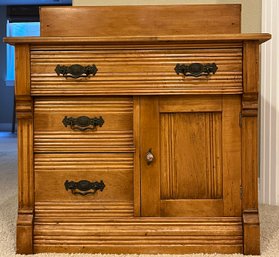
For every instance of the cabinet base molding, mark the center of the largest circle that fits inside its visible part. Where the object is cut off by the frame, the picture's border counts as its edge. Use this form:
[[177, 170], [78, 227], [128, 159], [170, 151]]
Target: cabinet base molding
[[251, 232], [24, 233], [141, 235]]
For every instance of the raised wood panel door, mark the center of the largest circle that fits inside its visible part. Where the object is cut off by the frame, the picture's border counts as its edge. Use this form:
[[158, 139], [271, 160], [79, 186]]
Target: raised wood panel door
[[196, 144]]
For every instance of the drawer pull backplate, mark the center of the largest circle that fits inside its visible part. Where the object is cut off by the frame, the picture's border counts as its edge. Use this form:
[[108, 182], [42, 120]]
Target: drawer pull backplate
[[76, 70], [196, 69], [82, 187], [83, 123]]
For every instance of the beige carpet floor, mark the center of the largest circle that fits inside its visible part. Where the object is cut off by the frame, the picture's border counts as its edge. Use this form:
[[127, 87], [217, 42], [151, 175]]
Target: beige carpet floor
[[269, 215]]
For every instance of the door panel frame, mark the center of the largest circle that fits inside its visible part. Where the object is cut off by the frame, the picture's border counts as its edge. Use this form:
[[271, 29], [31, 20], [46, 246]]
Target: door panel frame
[[150, 108]]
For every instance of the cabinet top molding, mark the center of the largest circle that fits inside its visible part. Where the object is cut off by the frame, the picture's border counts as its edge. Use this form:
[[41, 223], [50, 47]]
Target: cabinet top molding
[[261, 37]]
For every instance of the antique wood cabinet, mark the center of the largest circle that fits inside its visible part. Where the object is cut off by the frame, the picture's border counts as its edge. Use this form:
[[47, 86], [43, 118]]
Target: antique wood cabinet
[[138, 144]]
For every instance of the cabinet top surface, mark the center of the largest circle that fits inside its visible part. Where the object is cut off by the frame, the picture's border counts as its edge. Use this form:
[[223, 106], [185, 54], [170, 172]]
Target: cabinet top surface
[[260, 37]]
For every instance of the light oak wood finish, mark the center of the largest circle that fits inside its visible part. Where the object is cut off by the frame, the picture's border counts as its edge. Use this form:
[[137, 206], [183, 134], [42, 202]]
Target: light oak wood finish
[[24, 110], [197, 156], [115, 169], [250, 154], [75, 211], [251, 225], [140, 20], [134, 71], [201, 168], [141, 235], [149, 141], [200, 192], [137, 169], [115, 135], [113, 41]]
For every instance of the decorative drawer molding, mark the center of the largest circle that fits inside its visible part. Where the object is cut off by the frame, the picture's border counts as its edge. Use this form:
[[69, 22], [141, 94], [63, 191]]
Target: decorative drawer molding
[[137, 71], [115, 134], [138, 235], [77, 211], [114, 169]]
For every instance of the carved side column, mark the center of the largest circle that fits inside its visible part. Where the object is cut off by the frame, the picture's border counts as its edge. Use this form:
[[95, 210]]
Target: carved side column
[[251, 226], [24, 111]]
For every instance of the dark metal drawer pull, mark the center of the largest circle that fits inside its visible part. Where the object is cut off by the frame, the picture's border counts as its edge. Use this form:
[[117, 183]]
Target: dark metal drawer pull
[[84, 186], [196, 69], [83, 123], [76, 70]]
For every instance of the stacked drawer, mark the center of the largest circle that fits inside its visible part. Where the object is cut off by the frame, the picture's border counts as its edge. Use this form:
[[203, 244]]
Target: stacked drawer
[[83, 157]]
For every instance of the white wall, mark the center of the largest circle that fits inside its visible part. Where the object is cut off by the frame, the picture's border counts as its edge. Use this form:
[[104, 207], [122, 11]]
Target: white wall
[[269, 154], [251, 9]]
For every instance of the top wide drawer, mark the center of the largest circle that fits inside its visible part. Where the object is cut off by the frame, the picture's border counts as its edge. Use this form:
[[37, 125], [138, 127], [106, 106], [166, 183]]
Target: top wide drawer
[[134, 71]]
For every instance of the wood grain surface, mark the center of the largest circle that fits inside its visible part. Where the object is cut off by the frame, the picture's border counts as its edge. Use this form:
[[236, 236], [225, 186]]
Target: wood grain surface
[[115, 135], [115, 169], [52, 42], [141, 235], [250, 148], [140, 20], [197, 166], [134, 71], [24, 112]]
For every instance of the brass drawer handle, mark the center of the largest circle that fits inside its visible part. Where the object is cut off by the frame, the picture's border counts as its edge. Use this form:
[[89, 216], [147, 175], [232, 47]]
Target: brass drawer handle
[[196, 69], [83, 187], [83, 123], [76, 70]]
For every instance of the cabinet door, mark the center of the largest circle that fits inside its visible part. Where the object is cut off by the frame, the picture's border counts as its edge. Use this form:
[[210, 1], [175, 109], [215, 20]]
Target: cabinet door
[[196, 144]]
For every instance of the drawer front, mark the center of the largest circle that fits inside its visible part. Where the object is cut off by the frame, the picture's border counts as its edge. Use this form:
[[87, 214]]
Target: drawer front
[[82, 124], [111, 173], [133, 71]]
